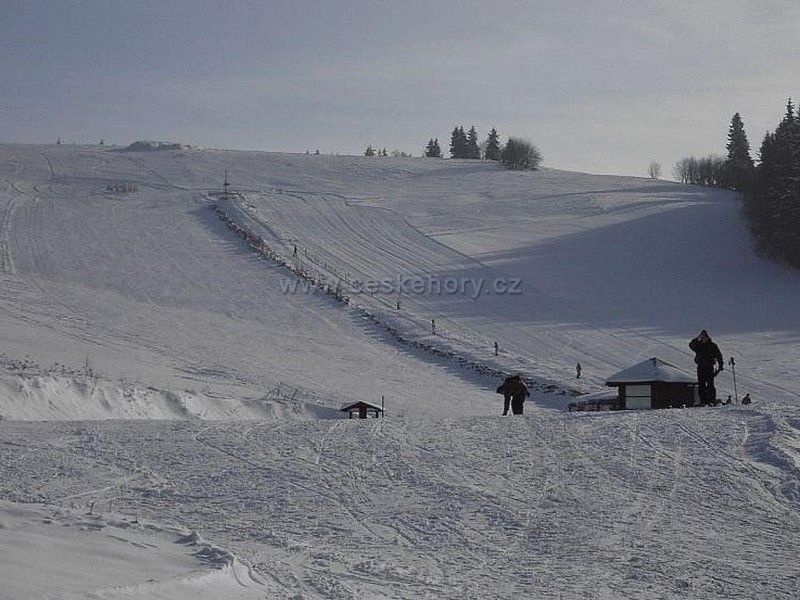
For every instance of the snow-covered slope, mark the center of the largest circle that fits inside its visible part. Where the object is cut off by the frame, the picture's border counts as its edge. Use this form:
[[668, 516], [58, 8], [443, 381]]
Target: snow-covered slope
[[151, 287], [143, 304]]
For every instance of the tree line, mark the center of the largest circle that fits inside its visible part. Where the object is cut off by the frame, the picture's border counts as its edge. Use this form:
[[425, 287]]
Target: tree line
[[731, 172], [773, 192], [516, 153], [771, 188]]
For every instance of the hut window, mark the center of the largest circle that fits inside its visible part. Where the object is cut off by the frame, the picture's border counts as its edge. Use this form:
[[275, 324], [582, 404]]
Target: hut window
[[637, 396]]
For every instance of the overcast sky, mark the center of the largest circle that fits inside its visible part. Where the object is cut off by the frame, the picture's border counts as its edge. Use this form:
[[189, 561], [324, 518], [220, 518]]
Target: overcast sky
[[600, 86]]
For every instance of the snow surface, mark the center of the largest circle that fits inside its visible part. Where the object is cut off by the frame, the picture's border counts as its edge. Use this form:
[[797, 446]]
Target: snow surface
[[144, 306]]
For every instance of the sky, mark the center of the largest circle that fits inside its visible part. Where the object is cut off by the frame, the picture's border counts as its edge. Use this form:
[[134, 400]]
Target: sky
[[599, 86]]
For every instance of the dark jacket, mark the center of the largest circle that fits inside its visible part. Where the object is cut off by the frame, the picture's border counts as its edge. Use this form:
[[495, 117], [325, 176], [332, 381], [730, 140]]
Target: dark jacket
[[706, 354], [514, 387]]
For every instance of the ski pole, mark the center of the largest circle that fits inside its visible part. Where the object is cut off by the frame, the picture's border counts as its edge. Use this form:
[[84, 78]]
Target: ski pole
[[733, 369]]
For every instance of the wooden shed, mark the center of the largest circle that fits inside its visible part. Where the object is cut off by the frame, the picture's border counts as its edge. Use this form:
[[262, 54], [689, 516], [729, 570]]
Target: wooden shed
[[654, 383], [364, 409]]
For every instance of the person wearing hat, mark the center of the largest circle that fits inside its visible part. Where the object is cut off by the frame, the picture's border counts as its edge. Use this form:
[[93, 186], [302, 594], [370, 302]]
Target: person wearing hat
[[706, 353]]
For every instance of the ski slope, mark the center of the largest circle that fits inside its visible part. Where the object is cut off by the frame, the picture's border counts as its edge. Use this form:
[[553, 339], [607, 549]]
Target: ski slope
[[193, 385]]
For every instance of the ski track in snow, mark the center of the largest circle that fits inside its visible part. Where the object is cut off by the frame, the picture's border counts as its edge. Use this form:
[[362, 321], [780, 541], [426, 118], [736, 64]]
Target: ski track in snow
[[440, 499], [646, 505]]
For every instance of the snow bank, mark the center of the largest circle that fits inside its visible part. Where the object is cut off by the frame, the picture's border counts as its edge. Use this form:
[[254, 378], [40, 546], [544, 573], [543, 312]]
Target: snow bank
[[47, 396], [51, 552]]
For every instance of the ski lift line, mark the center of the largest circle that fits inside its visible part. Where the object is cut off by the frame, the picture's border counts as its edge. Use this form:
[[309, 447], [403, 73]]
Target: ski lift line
[[471, 338]]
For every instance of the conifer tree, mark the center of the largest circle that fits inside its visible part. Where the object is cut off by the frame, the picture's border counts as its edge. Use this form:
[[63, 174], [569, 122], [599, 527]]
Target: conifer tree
[[492, 146], [432, 150], [739, 164], [458, 143], [370, 151], [773, 202], [473, 150]]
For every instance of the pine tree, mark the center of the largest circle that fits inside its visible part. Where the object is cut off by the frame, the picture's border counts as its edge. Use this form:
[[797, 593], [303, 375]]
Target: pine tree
[[458, 143], [432, 150], [739, 164], [492, 146], [370, 151], [473, 150], [773, 203]]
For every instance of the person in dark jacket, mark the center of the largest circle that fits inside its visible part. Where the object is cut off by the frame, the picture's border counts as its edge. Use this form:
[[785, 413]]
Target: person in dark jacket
[[514, 392], [706, 353]]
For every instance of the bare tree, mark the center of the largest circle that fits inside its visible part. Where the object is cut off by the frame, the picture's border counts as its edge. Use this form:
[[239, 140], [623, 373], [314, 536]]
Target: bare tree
[[654, 170], [520, 154]]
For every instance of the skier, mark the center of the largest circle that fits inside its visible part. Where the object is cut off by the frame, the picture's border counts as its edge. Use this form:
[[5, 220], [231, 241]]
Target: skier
[[433, 326], [514, 392], [706, 354], [578, 370], [294, 253], [496, 349], [746, 399]]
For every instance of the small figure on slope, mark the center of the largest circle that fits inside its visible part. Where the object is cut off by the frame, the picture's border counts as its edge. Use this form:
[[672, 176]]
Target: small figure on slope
[[514, 392], [746, 399], [578, 370], [706, 354]]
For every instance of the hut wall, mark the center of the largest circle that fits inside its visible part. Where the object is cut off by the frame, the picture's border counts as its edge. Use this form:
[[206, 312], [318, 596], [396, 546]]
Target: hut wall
[[672, 395], [638, 397]]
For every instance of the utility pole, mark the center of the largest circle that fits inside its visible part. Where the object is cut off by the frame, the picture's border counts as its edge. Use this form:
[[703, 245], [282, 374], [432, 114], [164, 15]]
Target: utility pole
[[226, 185]]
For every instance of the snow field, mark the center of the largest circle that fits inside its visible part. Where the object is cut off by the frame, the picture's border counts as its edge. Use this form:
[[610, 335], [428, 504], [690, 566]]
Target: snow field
[[675, 504], [442, 498]]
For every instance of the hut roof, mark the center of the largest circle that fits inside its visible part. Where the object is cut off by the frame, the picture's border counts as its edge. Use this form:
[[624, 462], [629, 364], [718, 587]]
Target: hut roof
[[650, 371], [360, 404]]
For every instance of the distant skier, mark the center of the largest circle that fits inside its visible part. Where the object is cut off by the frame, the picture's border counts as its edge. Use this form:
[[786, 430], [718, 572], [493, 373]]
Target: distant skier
[[294, 253], [706, 354], [578, 371], [496, 349], [433, 326], [746, 399], [514, 393]]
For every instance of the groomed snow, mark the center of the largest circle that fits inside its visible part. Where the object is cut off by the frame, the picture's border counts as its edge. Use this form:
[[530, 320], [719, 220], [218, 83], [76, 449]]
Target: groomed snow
[[121, 306]]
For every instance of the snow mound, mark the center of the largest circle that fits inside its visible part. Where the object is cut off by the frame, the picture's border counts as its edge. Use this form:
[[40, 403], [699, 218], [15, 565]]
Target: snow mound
[[55, 553], [52, 396]]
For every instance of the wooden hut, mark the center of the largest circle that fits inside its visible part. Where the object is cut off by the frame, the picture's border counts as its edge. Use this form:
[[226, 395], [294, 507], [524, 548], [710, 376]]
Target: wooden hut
[[364, 409], [654, 383]]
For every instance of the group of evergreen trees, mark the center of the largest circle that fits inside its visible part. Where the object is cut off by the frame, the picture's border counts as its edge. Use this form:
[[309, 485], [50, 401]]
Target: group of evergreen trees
[[515, 154], [433, 149], [773, 192], [465, 145], [370, 151], [771, 189]]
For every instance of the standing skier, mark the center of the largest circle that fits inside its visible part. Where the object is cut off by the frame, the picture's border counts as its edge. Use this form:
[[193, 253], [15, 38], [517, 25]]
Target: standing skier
[[706, 354]]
